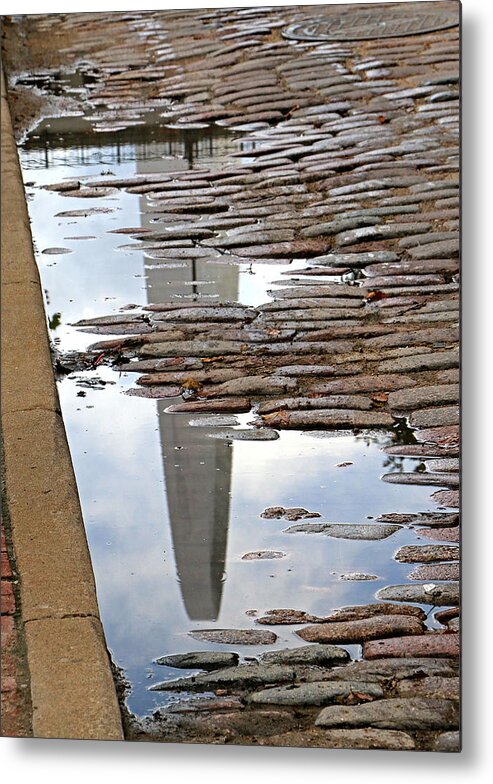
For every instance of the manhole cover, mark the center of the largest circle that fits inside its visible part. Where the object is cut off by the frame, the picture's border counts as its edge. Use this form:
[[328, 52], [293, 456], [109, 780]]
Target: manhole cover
[[362, 25]]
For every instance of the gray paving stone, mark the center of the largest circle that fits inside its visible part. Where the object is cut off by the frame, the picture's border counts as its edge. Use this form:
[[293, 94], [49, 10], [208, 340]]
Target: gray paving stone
[[422, 478], [323, 693], [317, 655], [436, 687], [439, 595], [247, 434], [368, 533], [435, 417], [337, 226], [398, 669], [423, 396], [448, 464], [448, 741], [389, 740], [396, 713], [442, 360], [355, 259], [235, 636], [436, 250], [241, 676], [388, 231], [333, 418], [364, 383], [199, 660]]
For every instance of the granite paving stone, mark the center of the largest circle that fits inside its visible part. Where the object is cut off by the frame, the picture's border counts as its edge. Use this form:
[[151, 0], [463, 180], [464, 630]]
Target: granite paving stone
[[359, 630], [398, 713], [335, 201], [432, 644]]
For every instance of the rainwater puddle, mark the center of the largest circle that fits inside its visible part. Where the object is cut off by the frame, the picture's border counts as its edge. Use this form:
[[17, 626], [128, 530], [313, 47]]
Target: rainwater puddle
[[170, 511]]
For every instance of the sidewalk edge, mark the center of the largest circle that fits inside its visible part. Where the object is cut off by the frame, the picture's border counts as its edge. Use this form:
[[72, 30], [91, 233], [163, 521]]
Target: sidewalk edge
[[72, 688]]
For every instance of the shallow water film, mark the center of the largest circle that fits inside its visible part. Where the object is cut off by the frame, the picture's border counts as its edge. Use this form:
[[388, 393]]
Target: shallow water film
[[254, 321]]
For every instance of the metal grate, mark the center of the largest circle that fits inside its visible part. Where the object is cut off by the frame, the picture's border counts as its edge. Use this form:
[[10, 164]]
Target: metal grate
[[362, 25]]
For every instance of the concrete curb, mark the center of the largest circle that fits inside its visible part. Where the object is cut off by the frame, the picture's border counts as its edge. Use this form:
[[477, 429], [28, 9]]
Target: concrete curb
[[72, 689]]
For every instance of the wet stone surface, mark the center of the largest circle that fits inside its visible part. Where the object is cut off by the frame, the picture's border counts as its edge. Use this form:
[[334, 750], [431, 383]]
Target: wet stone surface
[[295, 513], [397, 713], [358, 576], [317, 694], [235, 636], [207, 660], [260, 555], [431, 644], [341, 531], [359, 630], [448, 741], [320, 655], [246, 435], [443, 594], [282, 215]]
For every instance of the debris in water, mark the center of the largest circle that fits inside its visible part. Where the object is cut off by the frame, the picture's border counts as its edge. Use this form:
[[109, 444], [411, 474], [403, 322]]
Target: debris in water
[[292, 514], [56, 251], [358, 576]]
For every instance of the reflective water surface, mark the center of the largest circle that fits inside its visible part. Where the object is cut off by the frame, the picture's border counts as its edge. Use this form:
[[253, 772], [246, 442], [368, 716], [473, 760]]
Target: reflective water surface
[[170, 511]]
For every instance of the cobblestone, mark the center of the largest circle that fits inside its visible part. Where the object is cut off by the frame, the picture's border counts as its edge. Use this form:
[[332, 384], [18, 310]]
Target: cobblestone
[[398, 714], [350, 167]]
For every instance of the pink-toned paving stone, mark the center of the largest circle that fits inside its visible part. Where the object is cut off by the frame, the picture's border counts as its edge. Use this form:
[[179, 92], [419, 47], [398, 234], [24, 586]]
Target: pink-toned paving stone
[[449, 498], [427, 553], [357, 631], [441, 534], [446, 436], [442, 616], [432, 644], [362, 611], [429, 572]]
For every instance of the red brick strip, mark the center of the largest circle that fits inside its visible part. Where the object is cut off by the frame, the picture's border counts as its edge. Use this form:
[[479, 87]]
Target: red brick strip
[[15, 718]]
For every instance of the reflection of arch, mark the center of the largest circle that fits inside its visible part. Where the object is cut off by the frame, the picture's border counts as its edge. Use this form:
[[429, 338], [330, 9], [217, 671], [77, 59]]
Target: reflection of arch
[[197, 469], [198, 481]]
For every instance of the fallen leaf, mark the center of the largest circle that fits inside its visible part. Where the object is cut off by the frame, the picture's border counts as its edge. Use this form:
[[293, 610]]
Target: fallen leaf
[[283, 416], [362, 697], [375, 296]]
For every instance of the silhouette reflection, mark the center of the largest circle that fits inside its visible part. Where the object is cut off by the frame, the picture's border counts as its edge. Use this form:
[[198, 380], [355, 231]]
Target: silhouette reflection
[[197, 469], [197, 472]]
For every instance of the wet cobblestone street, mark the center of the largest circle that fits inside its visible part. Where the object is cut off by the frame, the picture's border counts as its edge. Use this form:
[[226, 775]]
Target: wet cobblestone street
[[247, 225]]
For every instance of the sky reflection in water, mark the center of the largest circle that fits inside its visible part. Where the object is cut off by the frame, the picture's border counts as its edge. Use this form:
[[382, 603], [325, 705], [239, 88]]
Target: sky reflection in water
[[169, 511]]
